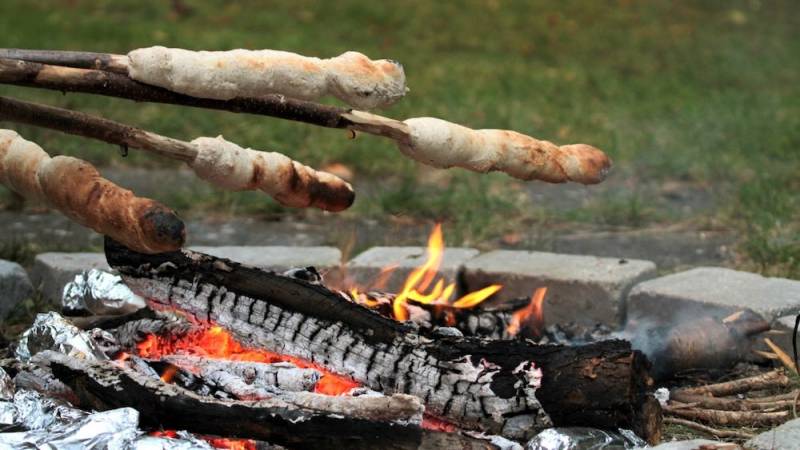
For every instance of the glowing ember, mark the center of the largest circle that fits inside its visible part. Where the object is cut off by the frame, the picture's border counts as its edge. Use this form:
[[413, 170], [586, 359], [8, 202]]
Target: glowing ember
[[531, 312], [216, 442], [215, 342], [417, 286]]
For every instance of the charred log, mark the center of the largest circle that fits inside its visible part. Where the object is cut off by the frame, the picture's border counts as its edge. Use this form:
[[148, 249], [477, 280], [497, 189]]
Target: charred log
[[478, 384]]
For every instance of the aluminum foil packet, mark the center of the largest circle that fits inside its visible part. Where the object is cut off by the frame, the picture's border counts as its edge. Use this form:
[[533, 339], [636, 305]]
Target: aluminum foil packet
[[584, 438], [100, 293], [50, 331], [6, 386]]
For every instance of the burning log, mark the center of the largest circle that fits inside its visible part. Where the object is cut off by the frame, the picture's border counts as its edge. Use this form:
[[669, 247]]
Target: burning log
[[314, 421], [428, 140], [221, 163], [500, 387]]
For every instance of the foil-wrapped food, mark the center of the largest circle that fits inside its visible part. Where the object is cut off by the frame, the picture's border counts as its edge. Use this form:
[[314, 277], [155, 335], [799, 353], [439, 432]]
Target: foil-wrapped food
[[584, 438], [100, 293], [50, 331]]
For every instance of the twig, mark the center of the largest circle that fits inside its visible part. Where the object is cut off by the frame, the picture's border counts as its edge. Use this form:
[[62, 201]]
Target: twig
[[773, 379], [81, 60], [731, 404], [86, 125], [730, 418], [706, 429], [785, 359]]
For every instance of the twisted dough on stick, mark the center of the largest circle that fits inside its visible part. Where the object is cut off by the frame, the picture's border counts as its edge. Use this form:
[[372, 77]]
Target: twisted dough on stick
[[229, 166], [351, 77], [76, 189], [443, 144]]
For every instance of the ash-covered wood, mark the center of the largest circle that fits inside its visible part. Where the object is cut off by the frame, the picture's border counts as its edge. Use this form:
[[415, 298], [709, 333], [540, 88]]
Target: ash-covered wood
[[284, 376], [131, 333], [349, 422], [477, 384]]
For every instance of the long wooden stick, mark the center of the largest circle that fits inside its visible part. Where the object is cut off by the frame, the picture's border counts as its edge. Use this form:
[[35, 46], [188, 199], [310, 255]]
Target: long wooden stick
[[773, 379], [81, 60], [431, 141], [86, 125]]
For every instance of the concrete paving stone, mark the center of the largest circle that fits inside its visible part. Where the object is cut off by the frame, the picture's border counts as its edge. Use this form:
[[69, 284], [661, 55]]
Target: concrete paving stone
[[51, 271], [365, 268], [14, 286], [716, 292], [278, 258], [783, 437], [583, 289]]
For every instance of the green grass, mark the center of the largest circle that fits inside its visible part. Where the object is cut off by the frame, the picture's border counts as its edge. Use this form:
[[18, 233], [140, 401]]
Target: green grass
[[701, 91]]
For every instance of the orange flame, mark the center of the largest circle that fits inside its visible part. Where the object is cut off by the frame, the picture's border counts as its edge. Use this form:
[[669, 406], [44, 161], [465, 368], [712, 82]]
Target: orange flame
[[533, 309], [421, 279], [216, 342], [216, 442]]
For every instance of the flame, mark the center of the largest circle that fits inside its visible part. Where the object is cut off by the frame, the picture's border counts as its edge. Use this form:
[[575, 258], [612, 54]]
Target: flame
[[421, 279], [533, 309], [169, 374], [215, 342], [216, 442]]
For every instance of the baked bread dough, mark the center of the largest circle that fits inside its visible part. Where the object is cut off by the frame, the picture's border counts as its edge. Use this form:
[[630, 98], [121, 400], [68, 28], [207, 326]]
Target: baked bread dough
[[76, 188], [351, 77], [232, 167], [444, 144]]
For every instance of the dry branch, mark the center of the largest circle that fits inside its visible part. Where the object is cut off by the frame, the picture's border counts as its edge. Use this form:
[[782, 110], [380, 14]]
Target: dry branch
[[222, 163], [82, 60], [428, 140], [727, 418], [732, 404], [706, 429], [769, 380], [76, 188]]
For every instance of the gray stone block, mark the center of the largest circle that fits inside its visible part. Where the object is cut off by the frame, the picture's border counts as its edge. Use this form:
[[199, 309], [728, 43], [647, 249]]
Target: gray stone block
[[278, 258], [14, 286], [694, 444], [51, 271], [783, 437], [584, 289], [365, 268], [715, 292]]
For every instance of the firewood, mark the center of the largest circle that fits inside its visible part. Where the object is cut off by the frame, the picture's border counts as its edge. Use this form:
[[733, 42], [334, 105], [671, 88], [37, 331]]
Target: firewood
[[478, 384], [222, 163], [352, 422], [76, 188], [731, 404], [770, 380], [427, 140]]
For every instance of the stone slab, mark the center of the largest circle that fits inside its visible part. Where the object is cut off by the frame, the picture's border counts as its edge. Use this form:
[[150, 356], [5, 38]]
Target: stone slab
[[14, 286], [783, 437], [584, 289], [277, 258], [51, 271], [365, 268], [716, 292], [694, 444]]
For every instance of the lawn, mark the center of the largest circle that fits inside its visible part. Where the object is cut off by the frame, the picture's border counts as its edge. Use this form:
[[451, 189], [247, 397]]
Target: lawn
[[697, 93]]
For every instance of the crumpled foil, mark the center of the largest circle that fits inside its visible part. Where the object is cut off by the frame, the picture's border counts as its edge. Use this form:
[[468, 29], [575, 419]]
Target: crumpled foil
[[54, 425], [101, 293], [584, 438], [6, 386], [183, 441], [50, 331]]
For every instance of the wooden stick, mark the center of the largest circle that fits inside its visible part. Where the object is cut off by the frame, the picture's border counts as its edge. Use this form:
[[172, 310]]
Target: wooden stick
[[82, 60], [712, 431], [290, 183], [728, 418], [782, 356], [731, 404], [428, 140], [86, 125], [773, 379]]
